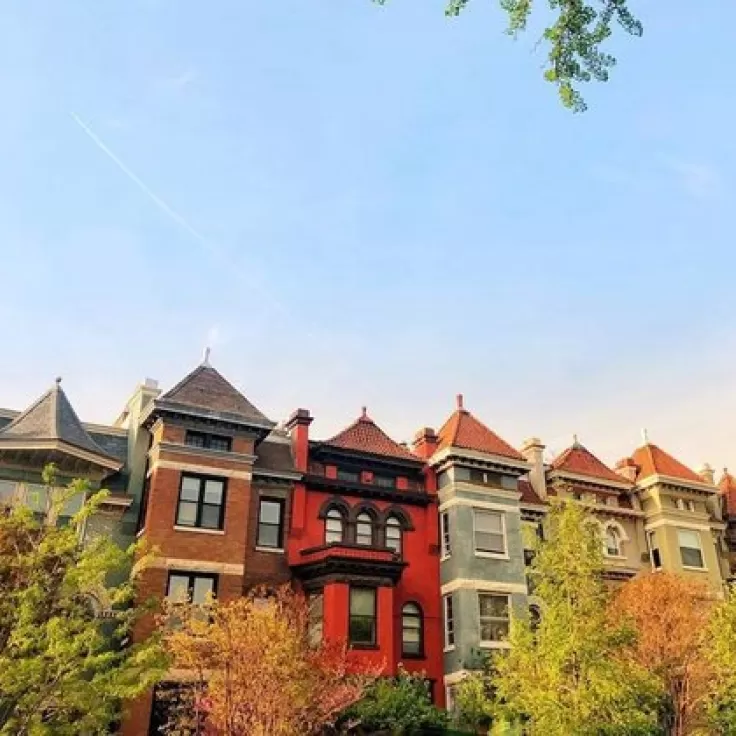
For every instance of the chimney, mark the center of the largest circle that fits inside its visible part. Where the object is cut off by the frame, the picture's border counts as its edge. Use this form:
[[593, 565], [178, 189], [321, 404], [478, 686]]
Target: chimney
[[706, 473], [533, 451], [627, 469], [425, 442], [298, 427]]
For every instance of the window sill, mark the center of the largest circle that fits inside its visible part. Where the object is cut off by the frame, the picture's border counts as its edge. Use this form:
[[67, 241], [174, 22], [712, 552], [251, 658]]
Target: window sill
[[199, 530], [694, 569], [272, 550], [365, 647], [495, 645], [450, 648], [613, 557], [421, 655], [445, 558], [492, 555]]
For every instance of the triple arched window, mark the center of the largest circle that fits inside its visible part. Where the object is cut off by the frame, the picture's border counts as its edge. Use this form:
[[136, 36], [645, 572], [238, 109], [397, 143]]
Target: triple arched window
[[365, 526], [412, 630]]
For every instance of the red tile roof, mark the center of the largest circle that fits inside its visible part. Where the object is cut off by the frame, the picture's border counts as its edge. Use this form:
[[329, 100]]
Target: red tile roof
[[578, 459], [463, 430], [652, 460], [364, 435], [528, 494], [727, 486]]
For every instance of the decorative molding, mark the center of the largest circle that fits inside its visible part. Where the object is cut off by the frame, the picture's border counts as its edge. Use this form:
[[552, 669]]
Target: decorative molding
[[176, 563], [485, 586], [200, 469], [456, 501]]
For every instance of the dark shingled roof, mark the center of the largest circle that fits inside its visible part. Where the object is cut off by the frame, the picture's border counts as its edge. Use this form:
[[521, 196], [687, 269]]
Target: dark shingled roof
[[52, 418], [207, 391], [274, 455]]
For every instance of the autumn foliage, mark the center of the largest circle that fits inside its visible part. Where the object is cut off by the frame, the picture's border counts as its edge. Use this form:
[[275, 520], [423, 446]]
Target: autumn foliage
[[253, 670]]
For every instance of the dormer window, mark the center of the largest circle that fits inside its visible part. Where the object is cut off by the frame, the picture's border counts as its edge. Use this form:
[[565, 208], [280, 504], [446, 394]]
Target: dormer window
[[349, 476], [209, 441], [384, 481]]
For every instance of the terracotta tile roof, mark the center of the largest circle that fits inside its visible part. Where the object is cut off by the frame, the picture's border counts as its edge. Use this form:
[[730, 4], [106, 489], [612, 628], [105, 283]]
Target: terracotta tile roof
[[727, 486], [52, 417], [528, 494], [652, 460], [207, 390], [463, 430], [364, 435], [578, 459]]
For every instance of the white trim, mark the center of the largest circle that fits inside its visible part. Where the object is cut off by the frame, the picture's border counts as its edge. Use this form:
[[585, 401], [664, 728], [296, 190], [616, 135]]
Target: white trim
[[444, 505], [694, 569], [205, 451], [454, 677], [623, 484], [677, 523], [697, 532], [463, 486], [484, 586], [450, 648], [199, 530], [508, 462], [272, 550], [483, 553], [669, 480], [176, 563], [492, 556], [494, 645], [212, 470]]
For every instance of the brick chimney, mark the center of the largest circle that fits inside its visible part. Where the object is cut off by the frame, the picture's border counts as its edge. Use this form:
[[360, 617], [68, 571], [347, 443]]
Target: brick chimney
[[533, 451], [627, 469], [707, 474], [425, 442], [298, 427]]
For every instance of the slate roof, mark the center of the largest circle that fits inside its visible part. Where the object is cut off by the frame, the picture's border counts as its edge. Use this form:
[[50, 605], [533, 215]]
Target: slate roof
[[364, 435], [652, 460], [464, 431], [274, 455], [206, 390], [581, 461], [52, 417]]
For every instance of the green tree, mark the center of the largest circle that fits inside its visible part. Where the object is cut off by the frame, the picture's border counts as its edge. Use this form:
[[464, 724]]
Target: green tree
[[64, 669], [571, 674], [399, 705], [573, 39], [720, 654]]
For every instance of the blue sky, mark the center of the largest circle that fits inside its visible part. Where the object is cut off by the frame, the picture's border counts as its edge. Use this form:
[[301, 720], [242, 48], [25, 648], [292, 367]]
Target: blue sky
[[381, 207]]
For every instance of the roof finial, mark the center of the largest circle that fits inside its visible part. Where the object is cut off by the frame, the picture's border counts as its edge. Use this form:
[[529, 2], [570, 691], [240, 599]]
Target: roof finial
[[57, 380], [364, 412], [460, 402], [575, 442], [645, 435], [206, 357]]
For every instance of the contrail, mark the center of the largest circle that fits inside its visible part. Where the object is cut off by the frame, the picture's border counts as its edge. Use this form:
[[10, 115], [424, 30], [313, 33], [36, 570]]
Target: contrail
[[160, 203]]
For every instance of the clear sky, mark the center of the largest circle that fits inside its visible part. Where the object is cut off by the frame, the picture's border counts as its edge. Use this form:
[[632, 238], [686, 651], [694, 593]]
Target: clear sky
[[362, 205]]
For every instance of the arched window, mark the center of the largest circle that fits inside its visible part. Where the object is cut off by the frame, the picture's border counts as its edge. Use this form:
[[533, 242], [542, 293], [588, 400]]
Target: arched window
[[412, 639], [393, 534], [613, 542], [364, 529], [334, 527]]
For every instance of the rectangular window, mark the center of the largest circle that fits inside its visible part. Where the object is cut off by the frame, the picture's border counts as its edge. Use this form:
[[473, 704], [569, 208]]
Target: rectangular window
[[449, 621], [191, 587], [271, 523], [494, 617], [654, 550], [490, 537], [485, 477], [210, 441], [445, 534], [349, 476], [316, 603], [363, 616], [201, 502], [691, 551], [384, 481]]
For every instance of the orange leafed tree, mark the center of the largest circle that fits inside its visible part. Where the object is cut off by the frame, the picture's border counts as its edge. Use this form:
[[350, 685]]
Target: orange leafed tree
[[669, 614], [253, 670]]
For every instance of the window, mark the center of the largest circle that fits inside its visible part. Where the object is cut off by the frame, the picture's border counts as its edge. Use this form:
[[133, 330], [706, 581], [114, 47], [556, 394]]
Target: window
[[484, 477], [364, 529], [384, 481], [334, 527], [191, 587], [271, 523], [445, 534], [348, 475], [680, 504], [611, 501], [363, 616], [315, 624], [393, 534], [411, 630], [613, 542], [449, 621], [210, 441], [691, 506], [489, 532], [494, 617], [201, 502], [690, 549], [654, 550]]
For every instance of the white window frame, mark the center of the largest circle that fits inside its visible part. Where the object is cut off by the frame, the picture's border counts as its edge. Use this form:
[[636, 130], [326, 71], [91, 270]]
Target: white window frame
[[494, 643], [696, 532], [493, 555], [445, 539], [448, 631], [650, 537]]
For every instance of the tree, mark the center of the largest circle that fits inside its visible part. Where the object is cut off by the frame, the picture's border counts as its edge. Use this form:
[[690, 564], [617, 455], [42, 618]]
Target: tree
[[720, 655], [63, 668], [574, 39], [568, 674], [400, 705], [670, 615], [253, 670]]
